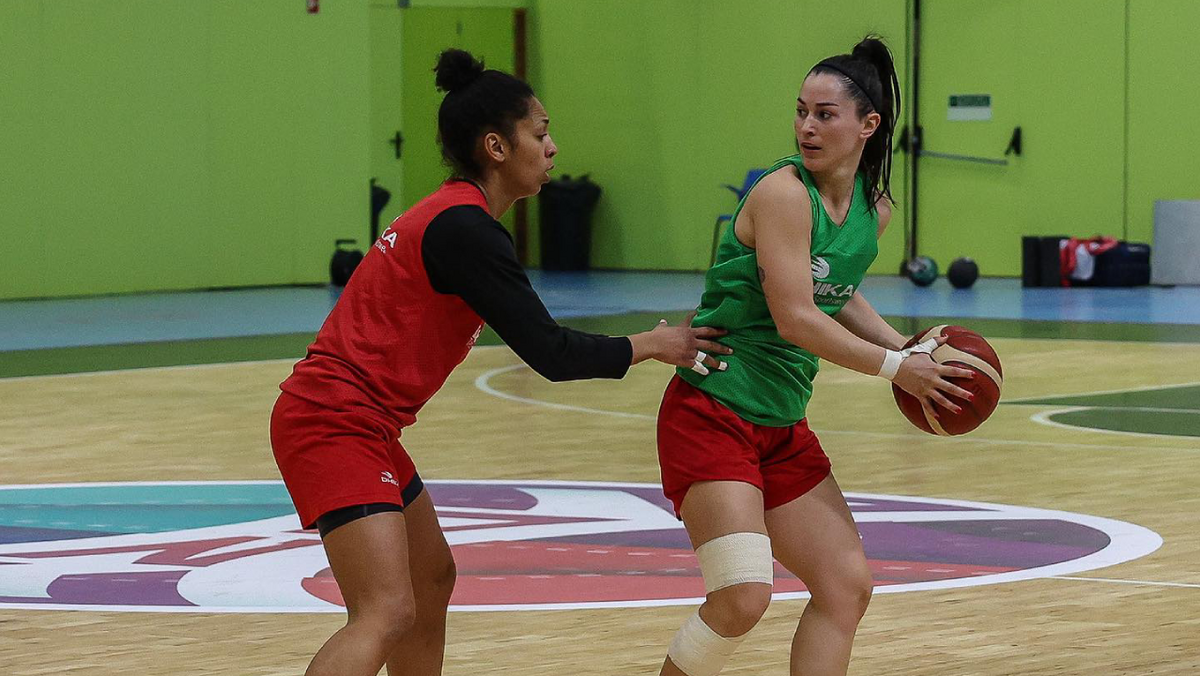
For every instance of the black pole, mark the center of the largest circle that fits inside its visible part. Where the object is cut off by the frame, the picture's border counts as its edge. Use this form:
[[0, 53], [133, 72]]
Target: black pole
[[917, 138]]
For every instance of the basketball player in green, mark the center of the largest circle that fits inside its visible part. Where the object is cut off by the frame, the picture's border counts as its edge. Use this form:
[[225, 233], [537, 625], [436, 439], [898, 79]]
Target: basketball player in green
[[739, 462]]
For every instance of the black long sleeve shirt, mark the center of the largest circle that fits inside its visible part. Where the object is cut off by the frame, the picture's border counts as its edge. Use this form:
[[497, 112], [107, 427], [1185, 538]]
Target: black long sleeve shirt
[[469, 254]]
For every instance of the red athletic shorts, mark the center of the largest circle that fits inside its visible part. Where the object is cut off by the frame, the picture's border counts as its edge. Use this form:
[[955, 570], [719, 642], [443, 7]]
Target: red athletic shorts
[[699, 439], [332, 459]]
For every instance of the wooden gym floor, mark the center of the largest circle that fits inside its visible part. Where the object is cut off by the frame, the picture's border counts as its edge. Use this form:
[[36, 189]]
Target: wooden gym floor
[[1096, 427]]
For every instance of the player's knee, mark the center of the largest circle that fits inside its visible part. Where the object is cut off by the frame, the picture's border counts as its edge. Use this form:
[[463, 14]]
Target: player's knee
[[443, 580], [386, 619], [857, 598], [846, 597], [699, 650], [735, 610], [738, 572]]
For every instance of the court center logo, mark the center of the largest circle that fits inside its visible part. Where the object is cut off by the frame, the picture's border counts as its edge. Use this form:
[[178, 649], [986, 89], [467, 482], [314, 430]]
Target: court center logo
[[237, 546]]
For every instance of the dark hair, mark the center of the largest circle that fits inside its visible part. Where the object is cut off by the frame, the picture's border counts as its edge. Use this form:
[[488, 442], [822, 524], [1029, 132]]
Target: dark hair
[[869, 76], [477, 101]]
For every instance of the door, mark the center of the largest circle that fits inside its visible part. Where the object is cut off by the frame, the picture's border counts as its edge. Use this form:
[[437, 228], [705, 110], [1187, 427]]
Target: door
[[1054, 69], [488, 34], [387, 109]]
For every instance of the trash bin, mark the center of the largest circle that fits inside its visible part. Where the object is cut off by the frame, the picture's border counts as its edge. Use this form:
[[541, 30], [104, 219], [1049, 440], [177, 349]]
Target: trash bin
[[565, 218]]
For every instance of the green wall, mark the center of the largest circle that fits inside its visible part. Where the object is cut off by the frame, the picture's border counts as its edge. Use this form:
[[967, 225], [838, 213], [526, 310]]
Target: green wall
[[662, 102], [172, 144], [176, 144], [485, 32], [1057, 71], [1164, 97]]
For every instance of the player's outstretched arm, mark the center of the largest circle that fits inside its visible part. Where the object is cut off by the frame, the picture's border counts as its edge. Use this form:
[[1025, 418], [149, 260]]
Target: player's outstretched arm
[[680, 345], [468, 254]]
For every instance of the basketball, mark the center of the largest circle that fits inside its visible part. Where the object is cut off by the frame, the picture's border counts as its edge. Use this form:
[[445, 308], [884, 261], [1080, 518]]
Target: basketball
[[965, 349]]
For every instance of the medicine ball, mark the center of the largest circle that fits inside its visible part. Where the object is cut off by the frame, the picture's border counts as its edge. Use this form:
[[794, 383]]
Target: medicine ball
[[922, 270], [962, 273]]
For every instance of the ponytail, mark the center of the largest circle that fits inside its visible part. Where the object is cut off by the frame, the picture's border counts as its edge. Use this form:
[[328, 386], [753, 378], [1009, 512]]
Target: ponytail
[[869, 75]]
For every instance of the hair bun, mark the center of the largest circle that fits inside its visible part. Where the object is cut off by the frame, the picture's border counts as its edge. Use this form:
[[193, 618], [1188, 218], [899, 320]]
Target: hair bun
[[456, 69], [872, 50]]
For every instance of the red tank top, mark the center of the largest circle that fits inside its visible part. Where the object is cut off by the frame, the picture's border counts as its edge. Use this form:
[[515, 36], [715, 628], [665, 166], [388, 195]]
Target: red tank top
[[391, 340]]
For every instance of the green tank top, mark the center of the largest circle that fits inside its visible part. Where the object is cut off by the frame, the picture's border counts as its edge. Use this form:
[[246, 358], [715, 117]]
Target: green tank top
[[770, 380]]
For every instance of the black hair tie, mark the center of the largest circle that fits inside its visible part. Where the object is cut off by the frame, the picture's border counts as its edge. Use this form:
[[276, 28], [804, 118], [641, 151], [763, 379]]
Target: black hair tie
[[876, 104]]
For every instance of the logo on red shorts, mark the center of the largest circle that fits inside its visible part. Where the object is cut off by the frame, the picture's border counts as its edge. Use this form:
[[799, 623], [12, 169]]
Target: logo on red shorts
[[236, 546]]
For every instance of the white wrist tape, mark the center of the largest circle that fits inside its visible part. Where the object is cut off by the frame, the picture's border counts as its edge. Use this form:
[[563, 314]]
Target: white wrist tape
[[698, 650], [890, 365], [922, 348], [893, 359]]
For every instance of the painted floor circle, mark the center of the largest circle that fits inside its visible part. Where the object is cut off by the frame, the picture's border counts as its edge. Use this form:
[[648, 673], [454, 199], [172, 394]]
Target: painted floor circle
[[519, 545]]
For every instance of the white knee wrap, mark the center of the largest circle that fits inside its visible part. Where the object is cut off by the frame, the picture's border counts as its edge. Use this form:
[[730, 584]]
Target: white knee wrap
[[698, 650], [735, 559]]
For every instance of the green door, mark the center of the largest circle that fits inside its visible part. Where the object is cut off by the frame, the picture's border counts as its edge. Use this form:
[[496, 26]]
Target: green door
[[488, 34], [387, 110], [1054, 69]]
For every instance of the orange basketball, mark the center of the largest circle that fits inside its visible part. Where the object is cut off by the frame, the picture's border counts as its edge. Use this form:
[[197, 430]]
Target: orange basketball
[[965, 349]]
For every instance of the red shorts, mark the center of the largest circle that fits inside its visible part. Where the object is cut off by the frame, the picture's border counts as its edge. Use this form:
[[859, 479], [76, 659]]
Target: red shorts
[[332, 459], [699, 439]]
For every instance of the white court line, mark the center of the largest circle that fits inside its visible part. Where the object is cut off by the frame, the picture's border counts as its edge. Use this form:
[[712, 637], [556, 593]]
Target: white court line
[[1043, 418], [1147, 388], [1148, 583], [483, 385], [1148, 409]]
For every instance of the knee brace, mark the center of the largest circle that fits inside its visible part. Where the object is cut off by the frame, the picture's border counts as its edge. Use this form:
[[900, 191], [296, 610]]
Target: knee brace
[[698, 650], [725, 561], [735, 559]]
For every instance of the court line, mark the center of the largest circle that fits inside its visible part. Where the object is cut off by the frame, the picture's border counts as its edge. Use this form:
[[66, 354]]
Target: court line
[[1148, 409], [1146, 388], [1149, 583], [1043, 418], [483, 385]]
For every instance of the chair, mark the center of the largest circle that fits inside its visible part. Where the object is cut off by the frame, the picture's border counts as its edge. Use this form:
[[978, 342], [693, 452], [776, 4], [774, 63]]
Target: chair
[[751, 176]]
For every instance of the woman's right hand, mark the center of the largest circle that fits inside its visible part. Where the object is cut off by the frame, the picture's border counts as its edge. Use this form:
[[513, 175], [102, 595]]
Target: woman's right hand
[[927, 380]]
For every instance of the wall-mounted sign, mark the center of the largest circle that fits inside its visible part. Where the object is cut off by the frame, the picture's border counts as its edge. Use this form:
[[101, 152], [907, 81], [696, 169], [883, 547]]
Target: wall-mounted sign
[[969, 107]]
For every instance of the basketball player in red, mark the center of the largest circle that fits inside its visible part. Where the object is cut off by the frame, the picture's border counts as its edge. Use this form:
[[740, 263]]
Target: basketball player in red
[[409, 315]]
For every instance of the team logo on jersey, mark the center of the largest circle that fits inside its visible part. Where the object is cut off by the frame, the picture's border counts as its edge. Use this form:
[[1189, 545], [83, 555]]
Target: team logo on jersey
[[237, 546], [389, 237], [820, 267]]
